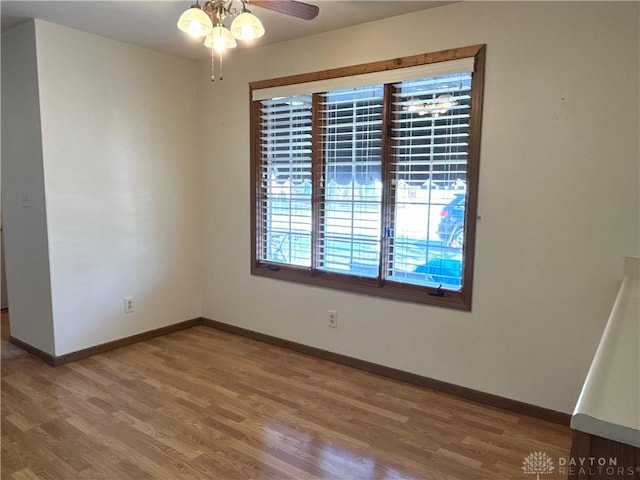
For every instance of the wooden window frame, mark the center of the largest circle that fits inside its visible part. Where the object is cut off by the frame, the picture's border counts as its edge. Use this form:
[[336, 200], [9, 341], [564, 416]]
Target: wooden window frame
[[380, 287]]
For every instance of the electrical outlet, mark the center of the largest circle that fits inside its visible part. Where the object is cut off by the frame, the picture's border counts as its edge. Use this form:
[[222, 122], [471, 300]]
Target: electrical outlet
[[333, 319], [128, 304]]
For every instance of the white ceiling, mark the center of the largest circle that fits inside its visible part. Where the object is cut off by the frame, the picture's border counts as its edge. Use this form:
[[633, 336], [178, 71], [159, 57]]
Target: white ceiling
[[152, 24]]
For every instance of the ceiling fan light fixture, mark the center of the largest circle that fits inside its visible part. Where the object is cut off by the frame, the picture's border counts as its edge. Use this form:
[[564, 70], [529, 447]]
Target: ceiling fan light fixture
[[199, 21], [195, 22], [435, 107], [443, 104], [220, 39], [247, 27]]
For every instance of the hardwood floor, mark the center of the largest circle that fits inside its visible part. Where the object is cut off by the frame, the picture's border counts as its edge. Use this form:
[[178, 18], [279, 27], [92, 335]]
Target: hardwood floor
[[205, 404]]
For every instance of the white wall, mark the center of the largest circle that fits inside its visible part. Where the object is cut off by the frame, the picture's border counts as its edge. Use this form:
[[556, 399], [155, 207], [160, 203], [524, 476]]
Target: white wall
[[23, 200], [558, 198], [119, 133]]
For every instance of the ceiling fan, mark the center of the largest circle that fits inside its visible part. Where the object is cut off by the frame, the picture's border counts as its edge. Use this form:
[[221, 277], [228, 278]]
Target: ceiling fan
[[302, 10], [213, 21]]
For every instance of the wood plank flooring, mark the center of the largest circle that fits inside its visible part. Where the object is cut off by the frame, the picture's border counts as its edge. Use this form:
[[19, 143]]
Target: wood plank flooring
[[204, 404]]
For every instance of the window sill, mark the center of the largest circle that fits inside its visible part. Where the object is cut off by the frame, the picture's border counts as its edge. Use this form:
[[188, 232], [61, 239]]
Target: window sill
[[456, 300]]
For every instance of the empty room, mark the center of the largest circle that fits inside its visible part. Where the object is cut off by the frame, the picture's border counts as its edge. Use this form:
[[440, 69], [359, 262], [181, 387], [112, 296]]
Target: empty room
[[320, 240]]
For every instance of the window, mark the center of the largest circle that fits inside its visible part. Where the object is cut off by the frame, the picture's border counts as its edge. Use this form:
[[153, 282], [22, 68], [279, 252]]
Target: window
[[366, 178]]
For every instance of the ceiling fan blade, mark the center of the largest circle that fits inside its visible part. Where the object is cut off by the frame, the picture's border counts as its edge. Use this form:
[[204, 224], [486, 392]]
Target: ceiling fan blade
[[288, 7]]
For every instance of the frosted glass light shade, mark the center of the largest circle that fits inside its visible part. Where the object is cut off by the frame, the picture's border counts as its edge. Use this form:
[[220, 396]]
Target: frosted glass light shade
[[444, 103], [195, 22], [220, 39], [247, 26]]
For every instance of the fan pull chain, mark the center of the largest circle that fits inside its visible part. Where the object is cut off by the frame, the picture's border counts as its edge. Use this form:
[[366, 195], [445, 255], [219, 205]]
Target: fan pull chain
[[213, 71]]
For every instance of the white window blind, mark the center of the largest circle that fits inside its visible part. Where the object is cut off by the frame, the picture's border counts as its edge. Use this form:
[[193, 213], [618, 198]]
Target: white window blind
[[351, 137], [430, 133], [284, 210], [373, 78]]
